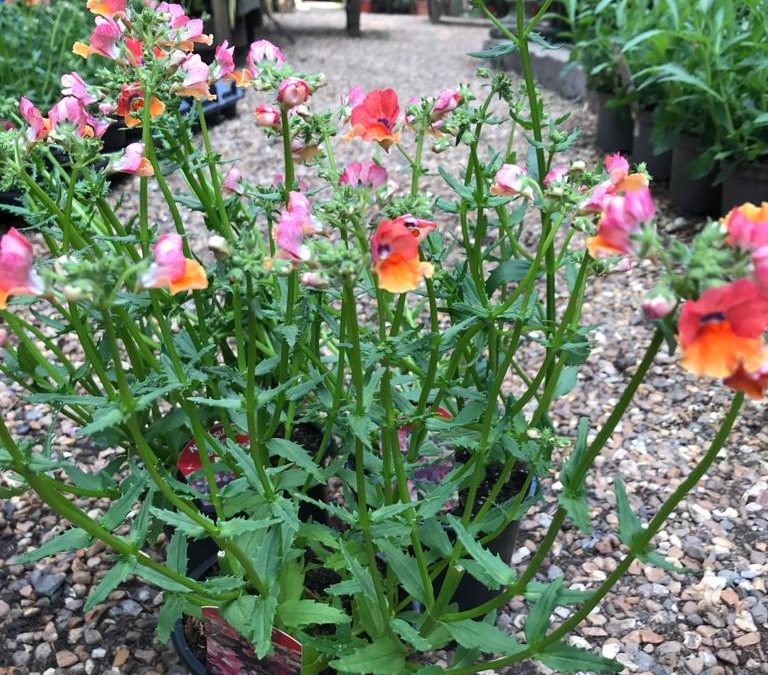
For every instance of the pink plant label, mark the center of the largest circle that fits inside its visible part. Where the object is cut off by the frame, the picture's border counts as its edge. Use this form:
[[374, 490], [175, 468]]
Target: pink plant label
[[229, 653]]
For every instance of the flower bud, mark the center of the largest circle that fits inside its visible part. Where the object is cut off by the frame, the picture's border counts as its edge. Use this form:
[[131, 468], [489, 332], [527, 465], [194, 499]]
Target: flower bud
[[578, 166], [74, 293], [533, 433], [267, 116], [219, 247], [293, 91], [657, 306], [314, 279]]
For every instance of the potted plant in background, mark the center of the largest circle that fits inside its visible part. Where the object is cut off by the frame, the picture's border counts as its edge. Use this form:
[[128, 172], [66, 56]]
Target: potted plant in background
[[433, 357]]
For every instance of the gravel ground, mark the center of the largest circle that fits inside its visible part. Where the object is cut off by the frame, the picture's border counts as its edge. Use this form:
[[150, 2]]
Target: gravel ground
[[655, 622]]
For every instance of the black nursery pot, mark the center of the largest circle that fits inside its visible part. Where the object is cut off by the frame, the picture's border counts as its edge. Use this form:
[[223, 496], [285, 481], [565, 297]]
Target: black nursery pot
[[698, 196], [746, 183], [658, 165], [614, 126]]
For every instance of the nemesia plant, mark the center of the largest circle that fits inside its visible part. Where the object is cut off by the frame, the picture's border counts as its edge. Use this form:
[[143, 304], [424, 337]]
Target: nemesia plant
[[354, 394]]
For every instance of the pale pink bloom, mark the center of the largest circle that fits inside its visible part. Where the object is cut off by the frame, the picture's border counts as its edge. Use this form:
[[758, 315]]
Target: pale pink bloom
[[171, 269], [617, 167], [510, 181], [447, 101], [263, 50], [293, 91], [622, 217], [365, 174], [747, 227], [38, 125], [196, 75], [133, 161], [233, 181], [314, 279], [556, 175], [107, 108], [184, 31], [352, 98], [594, 203], [74, 85], [98, 125], [16, 274], [760, 264], [294, 223], [70, 112], [267, 116], [224, 64], [103, 41], [657, 306]]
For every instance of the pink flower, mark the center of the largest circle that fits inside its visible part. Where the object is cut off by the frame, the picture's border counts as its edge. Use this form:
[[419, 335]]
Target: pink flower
[[314, 279], [224, 63], [196, 75], [353, 98], [171, 269], [760, 264], [617, 167], [510, 181], [556, 175], [133, 161], [264, 50], [294, 223], [622, 217], [106, 7], [104, 39], [594, 203], [293, 91], [267, 116], [73, 85], [69, 112], [747, 226], [447, 101], [184, 32], [419, 227], [16, 274], [38, 125], [657, 306], [365, 174], [233, 181]]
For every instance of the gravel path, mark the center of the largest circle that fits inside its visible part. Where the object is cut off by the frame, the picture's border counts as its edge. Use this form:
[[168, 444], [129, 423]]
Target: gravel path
[[656, 622]]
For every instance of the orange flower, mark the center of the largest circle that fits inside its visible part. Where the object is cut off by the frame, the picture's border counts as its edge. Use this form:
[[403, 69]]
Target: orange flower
[[374, 119], [722, 330], [395, 255], [172, 270], [131, 101], [747, 226], [753, 385]]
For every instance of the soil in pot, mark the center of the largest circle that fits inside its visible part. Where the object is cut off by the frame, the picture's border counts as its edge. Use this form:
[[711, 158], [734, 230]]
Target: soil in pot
[[658, 165], [698, 196], [614, 126], [746, 183]]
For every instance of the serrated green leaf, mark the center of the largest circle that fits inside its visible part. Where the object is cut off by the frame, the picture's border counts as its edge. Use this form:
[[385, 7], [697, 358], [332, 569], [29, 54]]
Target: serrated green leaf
[[629, 523], [160, 580], [509, 271], [361, 426], [411, 635], [360, 574], [406, 569], [103, 418], [223, 584], [253, 618], [499, 49], [565, 658], [293, 452], [236, 527], [171, 611], [121, 507], [70, 540], [577, 508], [297, 613], [537, 621], [482, 636], [183, 522], [109, 582], [496, 568], [383, 657], [176, 555], [228, 403], [459, 188], [565, 596]]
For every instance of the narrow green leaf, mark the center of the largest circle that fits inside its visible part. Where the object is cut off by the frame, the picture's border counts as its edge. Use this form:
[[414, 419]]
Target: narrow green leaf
[[171, 612], [509, 271], [111, 580], [537, 621], [252, 617], [69, 540], [565, 658], [482, 636], [502, 573], [629, 523], [297, 613], [383, 657], [499, 49], [293, 452], [176, 555], [406, 569], [182, 522], [411, 635]]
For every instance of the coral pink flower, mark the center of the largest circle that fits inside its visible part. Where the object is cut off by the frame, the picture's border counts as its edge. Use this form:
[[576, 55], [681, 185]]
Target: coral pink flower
[[130, 103], [510, 181], [196, 75], [171, 269], [447, 101], [620, 180], [747, 226], [224, 64], [294, 223], [760, 265], [70, 112], [753, 385], [365, 174], [293, 91], [133, 161], [395, 257], [38, 125], [104, 39], [556, 175], [352, 98], [233, 181], [106, 7], [622, 217], [722, 330], [375, 118], [264, 50], [74, 85], [16, 274], [617, 167], [267, 116], [418, 227], [184, 32]]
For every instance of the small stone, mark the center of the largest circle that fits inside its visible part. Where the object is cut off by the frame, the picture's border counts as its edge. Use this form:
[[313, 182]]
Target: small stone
[[747, 640], [98, 653], [43, 652], [695, 665], [730, 596], [66, 659], [20, 658], [146, 655], [46, 584], [647, 635], [654, 573], [4, 609], [691, 639], [92, 636], [121, 656], [728, 655], [611, 649]]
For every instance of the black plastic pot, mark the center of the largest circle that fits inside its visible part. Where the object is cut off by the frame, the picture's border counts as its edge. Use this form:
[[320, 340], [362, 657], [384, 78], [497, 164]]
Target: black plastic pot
[[746, 183], [225, 103], [658, 165], [698, 196], [614, 126]]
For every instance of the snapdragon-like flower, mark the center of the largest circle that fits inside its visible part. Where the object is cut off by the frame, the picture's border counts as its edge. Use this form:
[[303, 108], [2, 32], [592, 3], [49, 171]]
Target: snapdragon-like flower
[[131, 102], [295, 221], [623, 216], [722, 330], [223, 65], [395, 257], [233, 181], [39, 127], [293, 91], [753, 385], [658, 305], [620, 180], [107, 7], [760, 266], [747, 226], [196, 79], [133, 161], [172, 270], [510, 181], [69, 113], [418, 227], [74, 85], [267, 116], [557, 175], [447, 101], [374, 119], [103, 41], [17, 277], [363, 174], [260, 52], [184, 31]]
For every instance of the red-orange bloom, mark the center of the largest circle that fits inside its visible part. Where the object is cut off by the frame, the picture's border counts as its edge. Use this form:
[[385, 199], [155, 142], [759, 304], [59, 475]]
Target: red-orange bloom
[[753, 385], [395, 255], [131, 102], [722, 330], [375, 118]]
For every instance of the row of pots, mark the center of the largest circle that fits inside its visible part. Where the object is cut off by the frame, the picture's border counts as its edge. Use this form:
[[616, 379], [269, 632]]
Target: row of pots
[[619, 131]]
